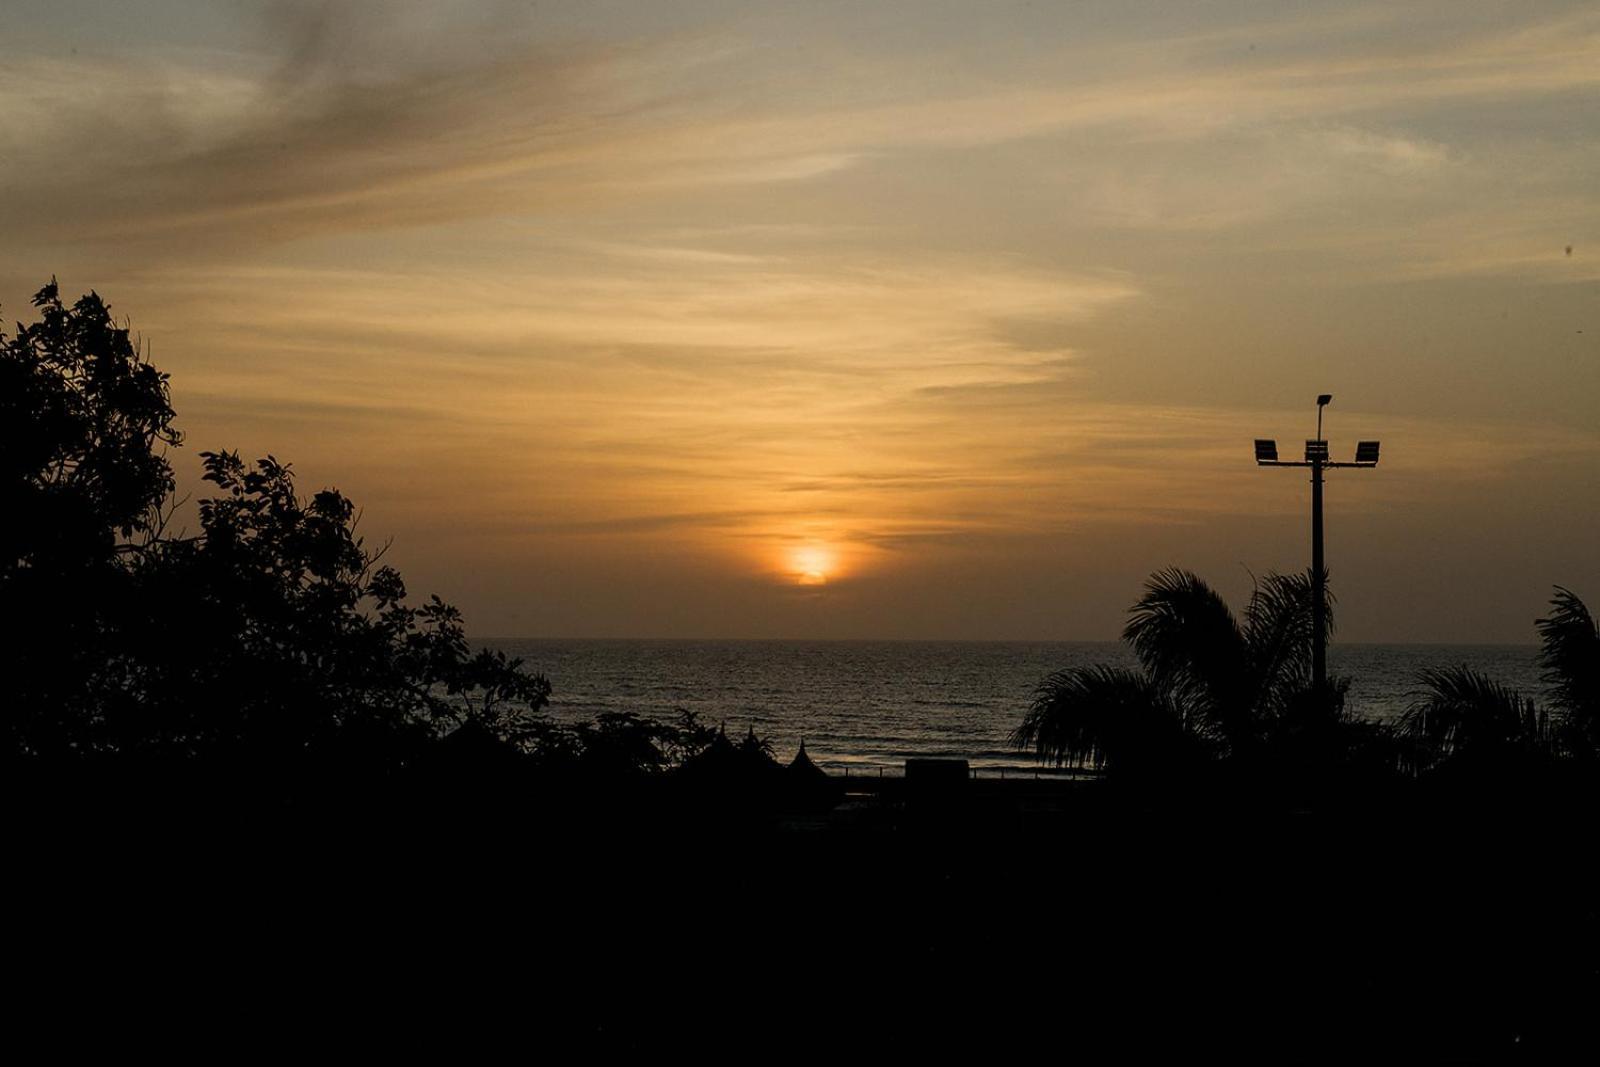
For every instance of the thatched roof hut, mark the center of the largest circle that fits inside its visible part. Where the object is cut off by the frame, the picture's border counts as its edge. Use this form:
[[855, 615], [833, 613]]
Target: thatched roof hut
[[808, 787]]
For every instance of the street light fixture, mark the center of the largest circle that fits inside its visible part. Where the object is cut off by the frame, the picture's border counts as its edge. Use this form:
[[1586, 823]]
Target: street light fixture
[[1317, 460]]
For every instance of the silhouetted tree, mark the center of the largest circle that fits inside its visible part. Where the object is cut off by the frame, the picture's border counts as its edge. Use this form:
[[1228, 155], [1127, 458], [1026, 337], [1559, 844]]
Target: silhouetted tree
[[1472, 724], [614, 746], [276, 636], [1570, 656], [273, 641], [687, 738], [1212, 686], [620, 744], [84, 421], [1466, 725]]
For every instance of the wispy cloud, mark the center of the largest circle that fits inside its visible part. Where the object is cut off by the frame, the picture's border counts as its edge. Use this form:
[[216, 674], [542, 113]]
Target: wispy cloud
[[188, 150]]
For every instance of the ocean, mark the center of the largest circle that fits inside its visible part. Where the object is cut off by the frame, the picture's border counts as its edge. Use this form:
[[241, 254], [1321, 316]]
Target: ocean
[[865, 707]]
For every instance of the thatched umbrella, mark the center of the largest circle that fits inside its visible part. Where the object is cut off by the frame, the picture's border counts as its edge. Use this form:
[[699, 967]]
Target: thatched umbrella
[[807, 787]]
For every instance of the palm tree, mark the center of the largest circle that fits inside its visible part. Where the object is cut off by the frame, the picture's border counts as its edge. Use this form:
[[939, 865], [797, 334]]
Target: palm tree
[[1212, 685], [1470, 723], [1467, 723], [1570, 657]]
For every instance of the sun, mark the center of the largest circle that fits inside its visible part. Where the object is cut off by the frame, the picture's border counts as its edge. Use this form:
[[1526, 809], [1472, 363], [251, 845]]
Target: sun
[[812, 564]]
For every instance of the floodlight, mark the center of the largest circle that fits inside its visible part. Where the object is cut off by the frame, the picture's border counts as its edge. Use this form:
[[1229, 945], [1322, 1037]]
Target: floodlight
[[1317, 460]]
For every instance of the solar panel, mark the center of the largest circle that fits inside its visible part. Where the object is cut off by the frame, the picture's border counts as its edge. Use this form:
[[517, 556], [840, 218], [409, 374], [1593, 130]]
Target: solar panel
[[1367, 452], [1266, 451]]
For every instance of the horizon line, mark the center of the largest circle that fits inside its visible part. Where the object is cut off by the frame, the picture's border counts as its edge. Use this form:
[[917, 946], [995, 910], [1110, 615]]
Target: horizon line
[[964, 640]]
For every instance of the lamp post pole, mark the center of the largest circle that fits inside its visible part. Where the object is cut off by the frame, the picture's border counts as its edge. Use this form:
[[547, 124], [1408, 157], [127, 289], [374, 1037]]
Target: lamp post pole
[[1317, 460], [1319, 577]]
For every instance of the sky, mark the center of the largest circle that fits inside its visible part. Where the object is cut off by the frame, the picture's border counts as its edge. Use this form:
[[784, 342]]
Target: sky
[[844, 320]]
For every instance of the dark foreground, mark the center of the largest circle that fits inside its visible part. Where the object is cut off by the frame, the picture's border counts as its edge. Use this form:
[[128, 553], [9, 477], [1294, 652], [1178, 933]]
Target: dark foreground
[[1008, 921]]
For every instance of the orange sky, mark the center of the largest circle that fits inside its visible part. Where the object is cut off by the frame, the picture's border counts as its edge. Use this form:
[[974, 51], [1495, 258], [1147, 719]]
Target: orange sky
[[843, 320]]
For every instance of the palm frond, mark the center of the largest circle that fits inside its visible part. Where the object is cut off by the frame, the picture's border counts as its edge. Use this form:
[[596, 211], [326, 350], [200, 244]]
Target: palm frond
[[1462, 713], [1278, 632], [1188, 640], [1570, 657], [1103, 717]]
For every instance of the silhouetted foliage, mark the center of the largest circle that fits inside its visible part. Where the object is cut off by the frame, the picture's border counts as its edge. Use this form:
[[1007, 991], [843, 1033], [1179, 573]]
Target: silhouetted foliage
[[1570, 656], [1470, 722], [1316, 745], [620, 743], [82, 417], [1468, 726], [293, 641], [723, 768], [1107, 717], [83, 422], [271, 642], [1212, 687], [687, 738], [614, 746]]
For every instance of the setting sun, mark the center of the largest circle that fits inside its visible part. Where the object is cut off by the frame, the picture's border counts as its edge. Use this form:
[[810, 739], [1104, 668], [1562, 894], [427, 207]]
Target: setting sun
[[812, 564]]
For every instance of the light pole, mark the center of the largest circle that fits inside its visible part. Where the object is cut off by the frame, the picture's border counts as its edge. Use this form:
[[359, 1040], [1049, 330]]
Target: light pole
[[1317, 460]]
